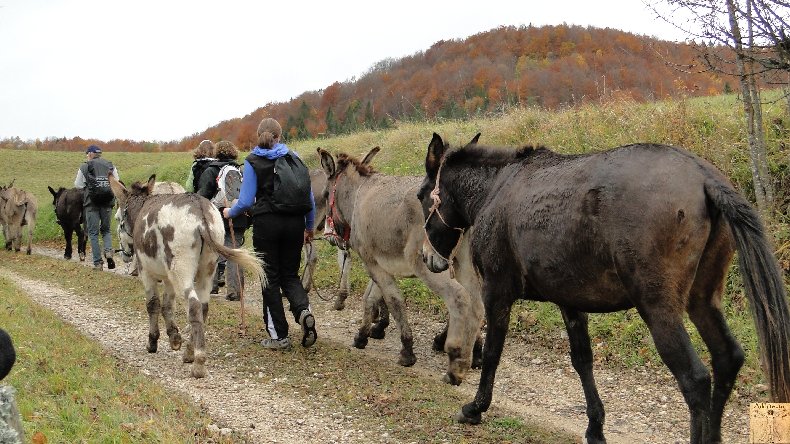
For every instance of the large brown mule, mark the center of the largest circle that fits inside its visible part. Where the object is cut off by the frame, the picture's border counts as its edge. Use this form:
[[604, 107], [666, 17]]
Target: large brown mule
[[647, 226]]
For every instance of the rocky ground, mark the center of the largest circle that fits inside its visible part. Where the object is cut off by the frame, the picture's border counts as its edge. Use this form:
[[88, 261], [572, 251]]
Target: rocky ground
[[642, 405]]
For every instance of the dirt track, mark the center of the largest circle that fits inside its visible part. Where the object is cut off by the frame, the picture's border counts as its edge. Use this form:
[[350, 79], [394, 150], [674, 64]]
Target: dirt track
[[641, 405]]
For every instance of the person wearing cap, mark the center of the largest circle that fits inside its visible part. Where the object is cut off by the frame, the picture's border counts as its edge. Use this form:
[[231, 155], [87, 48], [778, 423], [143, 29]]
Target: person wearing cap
[[97, 216]]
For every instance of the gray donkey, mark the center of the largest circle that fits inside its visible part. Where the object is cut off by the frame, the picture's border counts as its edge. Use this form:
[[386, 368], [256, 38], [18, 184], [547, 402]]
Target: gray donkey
[[384, 219]]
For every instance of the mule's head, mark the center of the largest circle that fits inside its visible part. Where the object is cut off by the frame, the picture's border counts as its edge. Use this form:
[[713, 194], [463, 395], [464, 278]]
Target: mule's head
[[56, 195], [129, 203], [444, 224], [351, 169]]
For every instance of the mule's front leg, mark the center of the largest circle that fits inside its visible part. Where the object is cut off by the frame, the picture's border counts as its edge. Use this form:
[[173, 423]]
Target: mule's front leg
[[498, 304], [153, 307], [344, 264]]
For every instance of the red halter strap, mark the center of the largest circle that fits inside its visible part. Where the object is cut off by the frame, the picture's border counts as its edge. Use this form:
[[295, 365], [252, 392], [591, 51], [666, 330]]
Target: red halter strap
[[334, 218]]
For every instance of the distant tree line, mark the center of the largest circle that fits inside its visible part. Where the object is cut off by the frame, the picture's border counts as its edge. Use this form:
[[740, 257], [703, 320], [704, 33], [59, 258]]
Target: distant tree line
[[549, 67]]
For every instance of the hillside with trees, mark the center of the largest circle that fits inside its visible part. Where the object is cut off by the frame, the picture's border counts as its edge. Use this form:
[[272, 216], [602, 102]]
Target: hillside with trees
[[549, 67]]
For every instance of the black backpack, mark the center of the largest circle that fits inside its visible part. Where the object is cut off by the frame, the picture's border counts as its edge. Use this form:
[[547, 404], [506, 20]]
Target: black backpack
[[291, 193], [98, 185]]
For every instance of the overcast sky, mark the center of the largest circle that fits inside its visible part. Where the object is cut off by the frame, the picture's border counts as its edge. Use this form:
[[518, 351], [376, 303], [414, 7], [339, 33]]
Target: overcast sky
[[160, 70]]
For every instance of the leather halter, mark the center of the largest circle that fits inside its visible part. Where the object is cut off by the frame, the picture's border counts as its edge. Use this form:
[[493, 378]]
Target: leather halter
[[333, 218]]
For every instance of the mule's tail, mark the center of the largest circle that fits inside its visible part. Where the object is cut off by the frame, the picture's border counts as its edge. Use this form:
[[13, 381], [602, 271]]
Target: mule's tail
[[245, 258], [762, 280]]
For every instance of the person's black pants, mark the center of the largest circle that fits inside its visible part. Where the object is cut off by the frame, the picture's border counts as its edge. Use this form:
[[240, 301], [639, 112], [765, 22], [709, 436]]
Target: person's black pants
[[278, 239]]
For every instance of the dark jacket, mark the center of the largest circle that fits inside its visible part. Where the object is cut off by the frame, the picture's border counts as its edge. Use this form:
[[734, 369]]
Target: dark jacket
[[207, 187], [101, 167]]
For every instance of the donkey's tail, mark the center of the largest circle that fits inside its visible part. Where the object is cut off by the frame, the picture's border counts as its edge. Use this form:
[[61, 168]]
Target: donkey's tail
[[762, 280], [245, 258]]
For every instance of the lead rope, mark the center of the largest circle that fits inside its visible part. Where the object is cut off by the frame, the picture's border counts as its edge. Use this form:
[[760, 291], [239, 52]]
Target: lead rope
[[435, 209]]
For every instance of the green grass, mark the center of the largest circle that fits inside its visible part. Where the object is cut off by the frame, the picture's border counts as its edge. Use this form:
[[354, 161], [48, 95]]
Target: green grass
[[71, 390], [372, 391]]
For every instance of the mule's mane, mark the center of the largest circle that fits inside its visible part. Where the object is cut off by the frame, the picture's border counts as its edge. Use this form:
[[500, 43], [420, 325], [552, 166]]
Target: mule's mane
[[482, 155], [344, 160]]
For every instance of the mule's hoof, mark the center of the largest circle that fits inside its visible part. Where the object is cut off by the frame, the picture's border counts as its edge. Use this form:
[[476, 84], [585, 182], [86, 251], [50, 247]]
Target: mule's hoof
[[29, 251], [463, 419], [198, 371], [175, 342], [67, 257], [407, 360], [339, 305], [187, 359], [360, 342], [82, 257], [151, 348], [477, 363], [450, 378], [378, 333]]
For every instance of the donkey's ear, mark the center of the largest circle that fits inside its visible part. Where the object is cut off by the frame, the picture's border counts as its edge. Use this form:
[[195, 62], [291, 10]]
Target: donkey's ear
[[327, 162], [52, 191], [151, 183], [435, 152], [371, 155], [474, 140], [118, 189]]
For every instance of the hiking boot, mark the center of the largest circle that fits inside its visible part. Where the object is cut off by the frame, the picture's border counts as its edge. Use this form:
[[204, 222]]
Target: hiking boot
[[98, 267], [276, 344], [232, 297], [307, 321], [214, 290]]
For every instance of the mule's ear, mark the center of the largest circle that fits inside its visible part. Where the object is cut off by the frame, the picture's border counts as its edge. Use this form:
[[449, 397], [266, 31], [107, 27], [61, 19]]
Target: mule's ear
[[371, 155], [474, 140], [118, 189], [151, 183], [52, 191], [327, 162], [435, 152]]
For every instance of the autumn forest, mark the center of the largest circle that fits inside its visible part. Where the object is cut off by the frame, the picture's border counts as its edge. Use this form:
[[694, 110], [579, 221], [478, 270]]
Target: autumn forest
[[549, 67]]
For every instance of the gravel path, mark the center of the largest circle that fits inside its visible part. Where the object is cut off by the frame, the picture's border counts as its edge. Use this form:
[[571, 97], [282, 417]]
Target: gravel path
[[642, 405]]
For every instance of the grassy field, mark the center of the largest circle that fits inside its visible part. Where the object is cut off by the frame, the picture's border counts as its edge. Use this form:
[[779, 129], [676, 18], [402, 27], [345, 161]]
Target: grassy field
[[711, 127]]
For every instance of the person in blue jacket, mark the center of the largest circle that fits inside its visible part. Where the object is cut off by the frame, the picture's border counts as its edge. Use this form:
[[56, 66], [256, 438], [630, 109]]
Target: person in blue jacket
[[277, 238]]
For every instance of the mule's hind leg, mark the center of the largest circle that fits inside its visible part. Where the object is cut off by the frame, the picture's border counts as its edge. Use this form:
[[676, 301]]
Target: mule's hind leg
[[392, 297], [703, 308], [381, 318], [167, 313], [82, 241], [674, 347], [582, 359], [153, 307], [370, 300], [67, 233]]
